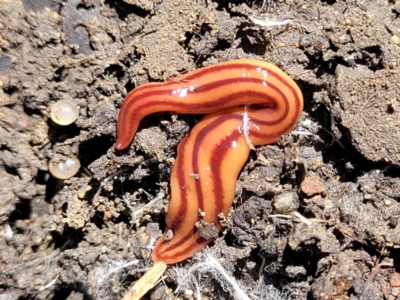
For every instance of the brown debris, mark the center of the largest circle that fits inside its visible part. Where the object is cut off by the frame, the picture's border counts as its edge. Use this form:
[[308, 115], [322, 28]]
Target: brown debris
[[312, 185]]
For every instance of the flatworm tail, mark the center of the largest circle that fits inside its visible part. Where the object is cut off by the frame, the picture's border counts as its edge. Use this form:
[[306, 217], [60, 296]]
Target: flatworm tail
[[214, 150]]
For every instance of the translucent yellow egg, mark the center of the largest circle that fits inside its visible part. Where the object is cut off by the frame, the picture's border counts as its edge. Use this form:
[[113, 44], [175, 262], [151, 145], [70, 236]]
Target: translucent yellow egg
[[64, 169], [64, 112]]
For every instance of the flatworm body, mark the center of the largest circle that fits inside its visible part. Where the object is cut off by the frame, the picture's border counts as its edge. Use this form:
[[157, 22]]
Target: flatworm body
[[248, 102]]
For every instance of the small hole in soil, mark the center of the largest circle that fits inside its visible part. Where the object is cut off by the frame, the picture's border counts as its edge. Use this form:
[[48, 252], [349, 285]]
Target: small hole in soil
[[94, 148], [124, 9], [70, 290], [230, 239], [129, 86], [98, 219], [122, 219], [10, 90], [69, 239], [251, 42], [60, 74], [395, 253], [372, 58], [82, 7], [42, 177], [223, 5], [162, 224], [390, 109], [22, 211], [60, 133], [329, 2], [115, 70]]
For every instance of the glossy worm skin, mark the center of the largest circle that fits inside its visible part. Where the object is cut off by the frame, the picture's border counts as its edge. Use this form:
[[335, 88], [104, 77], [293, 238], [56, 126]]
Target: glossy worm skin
[[247, 101]]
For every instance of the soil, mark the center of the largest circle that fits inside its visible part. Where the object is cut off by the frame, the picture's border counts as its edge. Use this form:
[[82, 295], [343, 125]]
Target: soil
[[315, 216]]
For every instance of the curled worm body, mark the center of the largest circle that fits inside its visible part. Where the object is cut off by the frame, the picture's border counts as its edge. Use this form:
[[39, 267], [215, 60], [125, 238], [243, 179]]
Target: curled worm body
[[247, 101]]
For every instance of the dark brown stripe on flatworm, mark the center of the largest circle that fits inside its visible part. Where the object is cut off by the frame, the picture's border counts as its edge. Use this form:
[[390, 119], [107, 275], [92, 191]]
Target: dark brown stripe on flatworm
[[195, 156], [180, 217]]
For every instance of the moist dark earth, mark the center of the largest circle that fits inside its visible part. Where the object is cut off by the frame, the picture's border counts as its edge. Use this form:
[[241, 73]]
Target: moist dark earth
[[316, 216]]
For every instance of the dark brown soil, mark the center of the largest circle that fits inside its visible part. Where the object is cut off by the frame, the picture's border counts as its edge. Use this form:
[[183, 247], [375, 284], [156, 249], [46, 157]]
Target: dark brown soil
[[316, 216]]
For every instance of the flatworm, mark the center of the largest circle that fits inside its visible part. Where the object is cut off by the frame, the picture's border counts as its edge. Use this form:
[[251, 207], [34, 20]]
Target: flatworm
[[247, 102]]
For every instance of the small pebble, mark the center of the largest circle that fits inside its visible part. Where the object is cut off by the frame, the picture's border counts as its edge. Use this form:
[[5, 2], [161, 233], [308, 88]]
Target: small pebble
[[285, 203], [312, 185], [387, 202]]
